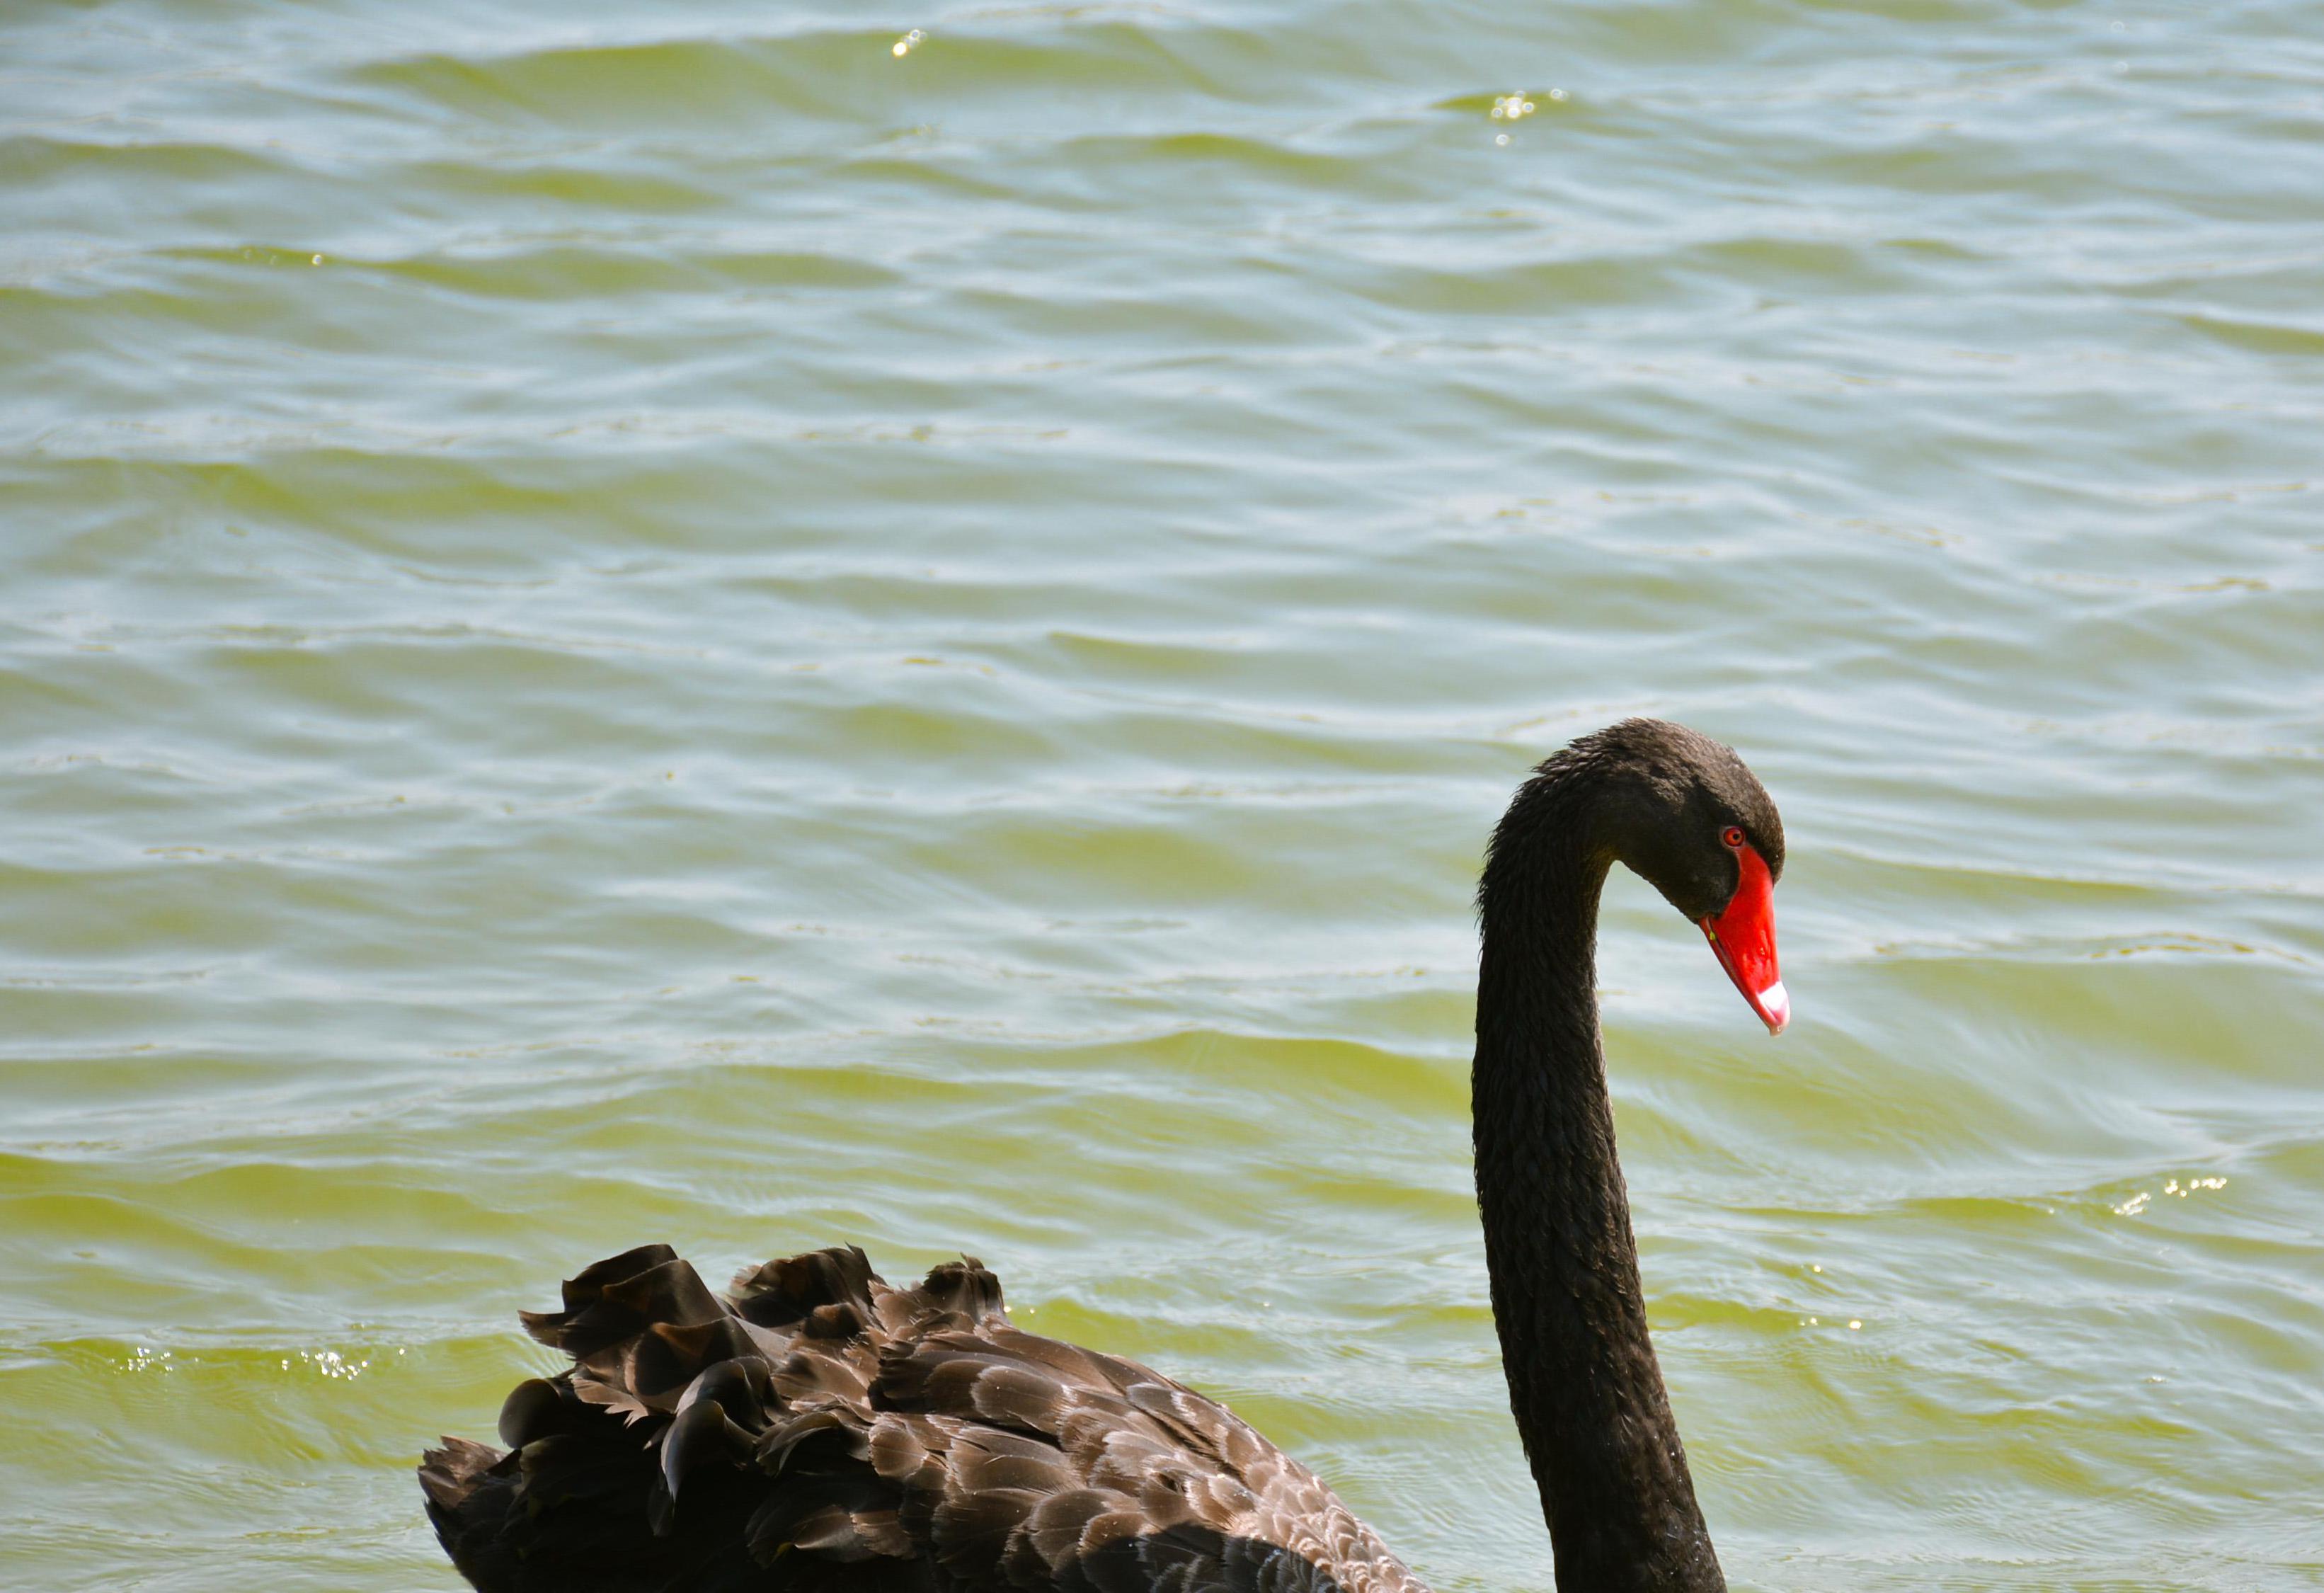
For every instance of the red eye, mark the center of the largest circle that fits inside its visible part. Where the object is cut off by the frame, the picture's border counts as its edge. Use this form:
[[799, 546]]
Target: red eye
[[1732, 837]]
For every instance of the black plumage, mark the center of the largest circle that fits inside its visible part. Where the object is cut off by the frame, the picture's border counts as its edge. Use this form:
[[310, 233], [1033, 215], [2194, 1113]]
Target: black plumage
[[818, 1430]]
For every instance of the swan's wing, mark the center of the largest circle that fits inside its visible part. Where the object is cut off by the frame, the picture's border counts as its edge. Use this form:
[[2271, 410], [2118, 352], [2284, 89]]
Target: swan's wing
[[820, 1431], [1056, 1466]]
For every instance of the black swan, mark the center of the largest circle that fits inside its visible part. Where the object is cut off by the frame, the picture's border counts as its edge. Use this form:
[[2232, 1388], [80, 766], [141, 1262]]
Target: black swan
[[819, 1429]]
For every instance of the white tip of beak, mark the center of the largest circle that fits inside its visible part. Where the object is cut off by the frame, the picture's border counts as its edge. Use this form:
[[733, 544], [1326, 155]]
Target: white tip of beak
[[1775, 1002]]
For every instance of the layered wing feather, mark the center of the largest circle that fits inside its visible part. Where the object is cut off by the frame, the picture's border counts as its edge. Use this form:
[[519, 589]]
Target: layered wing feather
[[818, 1430]]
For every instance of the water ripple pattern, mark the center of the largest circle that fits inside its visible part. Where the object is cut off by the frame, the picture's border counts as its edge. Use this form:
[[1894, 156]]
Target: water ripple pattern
[[760, 625]]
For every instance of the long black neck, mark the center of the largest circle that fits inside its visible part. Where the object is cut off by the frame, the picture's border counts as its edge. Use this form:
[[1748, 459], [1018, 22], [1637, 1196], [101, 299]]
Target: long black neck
[[1583, 1383]]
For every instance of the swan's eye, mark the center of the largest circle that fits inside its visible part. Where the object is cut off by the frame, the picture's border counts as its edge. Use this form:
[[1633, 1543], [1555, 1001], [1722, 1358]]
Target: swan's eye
[[1732, 836]]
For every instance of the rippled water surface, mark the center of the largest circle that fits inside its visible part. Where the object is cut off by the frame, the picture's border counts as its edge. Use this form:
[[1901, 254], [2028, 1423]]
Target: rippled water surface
[[738, 625]]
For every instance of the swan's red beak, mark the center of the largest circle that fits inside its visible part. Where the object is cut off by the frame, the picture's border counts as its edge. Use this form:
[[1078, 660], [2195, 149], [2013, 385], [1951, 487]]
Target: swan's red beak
[[1743, 937]]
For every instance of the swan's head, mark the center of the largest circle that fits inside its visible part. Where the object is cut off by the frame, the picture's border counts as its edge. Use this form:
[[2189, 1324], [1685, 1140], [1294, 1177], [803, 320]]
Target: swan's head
[[1682, 812]]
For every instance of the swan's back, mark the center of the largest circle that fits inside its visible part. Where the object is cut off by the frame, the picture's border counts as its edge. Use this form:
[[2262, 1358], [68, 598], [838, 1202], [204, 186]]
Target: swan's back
[[817, 1430]]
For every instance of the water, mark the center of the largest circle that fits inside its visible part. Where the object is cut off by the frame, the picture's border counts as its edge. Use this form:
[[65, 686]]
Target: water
[[676, 624]]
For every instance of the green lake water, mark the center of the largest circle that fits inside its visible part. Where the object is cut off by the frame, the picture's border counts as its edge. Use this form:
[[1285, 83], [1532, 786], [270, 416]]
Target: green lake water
[[743, 626]]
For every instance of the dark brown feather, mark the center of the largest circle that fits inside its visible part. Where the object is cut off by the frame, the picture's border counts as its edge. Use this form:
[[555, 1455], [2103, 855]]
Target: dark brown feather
[[820, 1430]]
